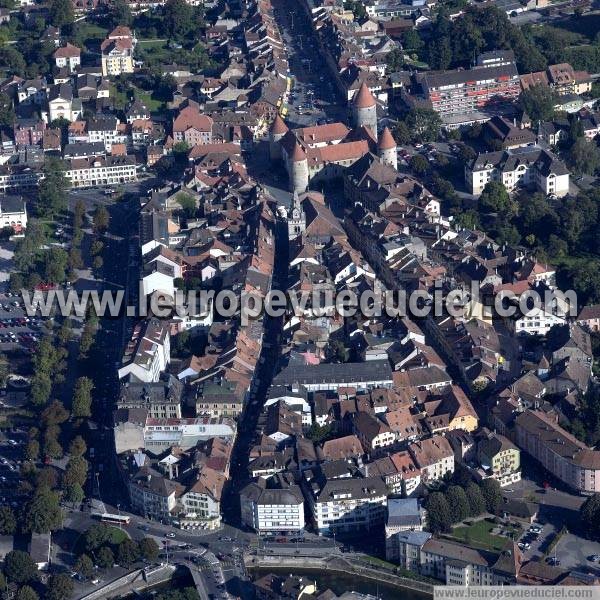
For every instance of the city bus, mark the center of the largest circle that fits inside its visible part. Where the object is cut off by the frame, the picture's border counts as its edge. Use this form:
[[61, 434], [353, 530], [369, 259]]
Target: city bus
[[113, 519]]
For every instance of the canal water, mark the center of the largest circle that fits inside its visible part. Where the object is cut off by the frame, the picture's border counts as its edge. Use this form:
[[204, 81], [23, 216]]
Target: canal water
[[344, 583]]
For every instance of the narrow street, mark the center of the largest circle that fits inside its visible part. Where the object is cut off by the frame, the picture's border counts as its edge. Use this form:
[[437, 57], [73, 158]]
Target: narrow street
[[264, 374]]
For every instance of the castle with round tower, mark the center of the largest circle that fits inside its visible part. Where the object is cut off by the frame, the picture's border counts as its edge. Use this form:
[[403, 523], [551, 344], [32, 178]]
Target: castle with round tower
[[323, 152]]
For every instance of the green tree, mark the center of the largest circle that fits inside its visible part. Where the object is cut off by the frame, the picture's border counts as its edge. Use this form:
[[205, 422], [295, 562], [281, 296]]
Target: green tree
[[60, 13], [105, 558], [584, 156], [179, 19], [42, 513], [74, 493], [402, 133], [46, 478], [187, 203], [60, 587], [418, 164], [8, 522], [56, 261], [425, 124], [589, 516], [12, 60], [149, 549], [52, 192], [97, 535], [539, 102], [27, 593], [54, 414], [476, 499], [128, 552], [412, 42], [52, 447], [492, 494], [394, 60], [19, 567], [98, 262], [4, 370], [77, 447], [84, 566], [7, 112], [32, 450], [76, 471], [119, 13], [82, 397], [458, 503], [438, 513], [101, 219], [494, 198]]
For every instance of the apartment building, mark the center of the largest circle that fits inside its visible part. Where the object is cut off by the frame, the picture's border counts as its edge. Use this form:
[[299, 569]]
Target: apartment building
[[499, 458], [153, 495], [494, 80], [344, 505], [148, 352], [568, 459], [362, 376], [403, 514], [13, 213], [373, 433], [520, 167], [434, 456], [117, 52], [272, 511], [162, 399], [101, 170], [201, 502], [105, 130], [68, 56], [160, 434]]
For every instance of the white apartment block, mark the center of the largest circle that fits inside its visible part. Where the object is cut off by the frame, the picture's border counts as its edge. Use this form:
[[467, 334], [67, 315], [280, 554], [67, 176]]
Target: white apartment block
[[348, 504], [520, 167], [278, 510], [148, 352], [98, 171]]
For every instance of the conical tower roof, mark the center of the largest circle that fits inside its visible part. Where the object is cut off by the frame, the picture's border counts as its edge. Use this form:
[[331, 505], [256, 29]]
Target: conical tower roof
[[278, 126], [298, 154], [364, 98], [387, 141]]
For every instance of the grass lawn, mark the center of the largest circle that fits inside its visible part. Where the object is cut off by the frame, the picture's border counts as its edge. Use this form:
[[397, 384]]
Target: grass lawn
[[152, 104], [91, 30], [478, 535]]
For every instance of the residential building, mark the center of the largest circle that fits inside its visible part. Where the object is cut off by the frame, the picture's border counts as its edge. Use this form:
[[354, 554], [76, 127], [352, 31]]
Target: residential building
[[117, 55], [161, 399], [68, 56], [558, 451], [528, 166], [160, 434], [147, 353], [499, 458], [347, 505], [272, 510], [201, 501], [434, 456], [13, 213], [100, 170], [362, 376], [154, 496], [493, 80]]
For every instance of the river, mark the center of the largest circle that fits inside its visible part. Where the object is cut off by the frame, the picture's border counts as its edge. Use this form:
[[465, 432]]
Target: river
[[342, 583]]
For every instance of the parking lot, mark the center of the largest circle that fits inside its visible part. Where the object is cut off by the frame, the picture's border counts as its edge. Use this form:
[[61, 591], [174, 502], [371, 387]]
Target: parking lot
[[575, 552], [12, 444]]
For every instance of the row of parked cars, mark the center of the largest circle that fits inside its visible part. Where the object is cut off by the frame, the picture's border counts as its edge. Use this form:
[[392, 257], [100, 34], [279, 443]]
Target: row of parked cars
[[531, 535]]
